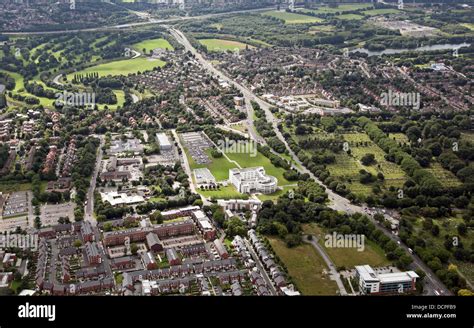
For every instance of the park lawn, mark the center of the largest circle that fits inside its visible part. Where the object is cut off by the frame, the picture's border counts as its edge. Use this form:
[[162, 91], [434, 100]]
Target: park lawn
[[246, 160], [223, 45], [375, 12], [372, 254], [149, 45], [121, 67], [291, 18], [306, 268]]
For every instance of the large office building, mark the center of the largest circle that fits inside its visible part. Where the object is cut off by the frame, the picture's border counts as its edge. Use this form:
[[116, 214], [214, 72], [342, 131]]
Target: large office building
[[253, 179], [371, 282], [163, 141]]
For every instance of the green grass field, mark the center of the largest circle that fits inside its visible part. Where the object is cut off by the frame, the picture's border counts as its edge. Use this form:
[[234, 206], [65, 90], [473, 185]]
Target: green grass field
[[291, 18], [225, 192], [372, 254], [321, 29], [399, 137], [446, 177], [469, 26], [394, 175], [306, 268], [122, 67], [223, 45], [339, 8], [349, 17], [149, 45], [219, 167], [274, 197], [375, 12], [19, 81]]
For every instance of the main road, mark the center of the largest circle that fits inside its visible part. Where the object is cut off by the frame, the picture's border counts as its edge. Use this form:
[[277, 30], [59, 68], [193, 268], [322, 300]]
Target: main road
[[89, 206], [337, 202], [149, 21]]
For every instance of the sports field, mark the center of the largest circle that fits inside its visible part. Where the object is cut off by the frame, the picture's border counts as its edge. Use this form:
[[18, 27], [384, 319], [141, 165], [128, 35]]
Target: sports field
[[223, 45], [291, 18], [149, 45], [122, 67]]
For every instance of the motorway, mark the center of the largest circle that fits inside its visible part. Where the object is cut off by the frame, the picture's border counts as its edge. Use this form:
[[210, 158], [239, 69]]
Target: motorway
[[337, 202], [150, 21]]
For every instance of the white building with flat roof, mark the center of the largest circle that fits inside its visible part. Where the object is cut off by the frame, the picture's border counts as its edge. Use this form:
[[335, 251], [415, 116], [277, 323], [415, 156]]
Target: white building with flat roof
[[163, 141], [371, 282], [253, 179], [203, 176], [119, 199]]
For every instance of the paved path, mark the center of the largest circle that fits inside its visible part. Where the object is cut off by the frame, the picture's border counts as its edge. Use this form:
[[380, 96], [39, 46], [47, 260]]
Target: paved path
[[332, 268]]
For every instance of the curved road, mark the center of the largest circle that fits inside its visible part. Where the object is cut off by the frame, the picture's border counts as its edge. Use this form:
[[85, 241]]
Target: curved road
[[339, 203]]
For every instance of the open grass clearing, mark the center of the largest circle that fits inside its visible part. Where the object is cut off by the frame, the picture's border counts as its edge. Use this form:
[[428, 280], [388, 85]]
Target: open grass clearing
[[150, 45], [223, 45], [291, 18], [306, 267], [372, 254], [121, 67]]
